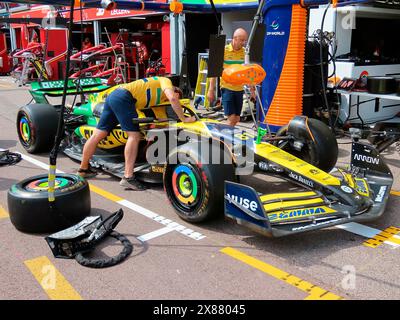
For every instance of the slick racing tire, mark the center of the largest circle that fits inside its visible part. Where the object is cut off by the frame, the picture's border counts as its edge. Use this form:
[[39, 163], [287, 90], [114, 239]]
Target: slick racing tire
[[30, 210], [319, 144], [195, 187], [37, 127]]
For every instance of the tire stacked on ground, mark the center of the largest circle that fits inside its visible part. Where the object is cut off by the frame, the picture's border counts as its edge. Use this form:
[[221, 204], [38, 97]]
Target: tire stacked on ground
[[28, 204], [30, 210]]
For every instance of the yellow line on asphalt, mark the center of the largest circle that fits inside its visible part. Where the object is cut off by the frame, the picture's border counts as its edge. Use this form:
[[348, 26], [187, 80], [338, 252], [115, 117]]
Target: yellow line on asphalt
[[386, 235], [315, 293], [104, 193], [51, 280], [3, 213]]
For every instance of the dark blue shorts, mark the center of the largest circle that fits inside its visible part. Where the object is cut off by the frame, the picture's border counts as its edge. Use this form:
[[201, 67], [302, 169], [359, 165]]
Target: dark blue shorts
[[119, 108], [232, 101]]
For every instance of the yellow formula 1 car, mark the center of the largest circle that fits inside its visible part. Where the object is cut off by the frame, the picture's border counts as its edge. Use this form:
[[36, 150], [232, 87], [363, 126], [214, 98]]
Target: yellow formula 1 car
[[199, 165]]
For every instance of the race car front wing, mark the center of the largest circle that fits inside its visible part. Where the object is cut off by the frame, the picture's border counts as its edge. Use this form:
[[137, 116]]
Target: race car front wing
[[282, 214]]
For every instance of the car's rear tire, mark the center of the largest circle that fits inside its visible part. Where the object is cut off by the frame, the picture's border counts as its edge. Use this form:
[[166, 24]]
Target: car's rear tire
[[30, 210], [37, 127], [196, 188], [319, 145]]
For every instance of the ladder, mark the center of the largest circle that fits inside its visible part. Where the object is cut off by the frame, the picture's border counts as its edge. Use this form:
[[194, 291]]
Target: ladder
[[24, 76], [202, 84]]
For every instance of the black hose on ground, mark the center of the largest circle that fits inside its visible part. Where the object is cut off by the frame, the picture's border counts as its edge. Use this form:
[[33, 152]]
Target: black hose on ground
[[8, 158], [109, 262]]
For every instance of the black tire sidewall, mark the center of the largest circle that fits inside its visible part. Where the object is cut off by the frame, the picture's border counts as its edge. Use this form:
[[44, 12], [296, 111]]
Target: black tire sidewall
[[31, 211], [322, 152], [43, 122], [325, 146], [212, 178], [198, 213]]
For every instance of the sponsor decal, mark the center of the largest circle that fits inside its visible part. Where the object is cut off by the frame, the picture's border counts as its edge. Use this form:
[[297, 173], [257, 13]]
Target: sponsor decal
[[100, 12], [263, 166], [364, 74], [362, 187], [315, 225], [299, 178], [245, 203], [157, 169], [368, 159], [275, 26], [118, 12], [314, 171], [346, 189], [278, 33], [296, 214], [381, 194]]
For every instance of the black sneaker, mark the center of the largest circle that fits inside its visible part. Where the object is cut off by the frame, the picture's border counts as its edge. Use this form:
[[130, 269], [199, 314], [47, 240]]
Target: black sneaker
[[87, 173], [132, 184]]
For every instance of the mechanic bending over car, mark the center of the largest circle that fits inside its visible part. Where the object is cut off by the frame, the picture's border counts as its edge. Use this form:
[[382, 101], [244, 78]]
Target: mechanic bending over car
[[120, 108]]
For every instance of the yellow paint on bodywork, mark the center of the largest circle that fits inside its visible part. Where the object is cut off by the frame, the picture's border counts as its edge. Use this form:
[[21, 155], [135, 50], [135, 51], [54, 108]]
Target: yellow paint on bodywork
[[299, 214], [116, 138], [348, 178], [364, 190], [281, 205], [277, 196], [359, 184], [297, 165], [198, 127]]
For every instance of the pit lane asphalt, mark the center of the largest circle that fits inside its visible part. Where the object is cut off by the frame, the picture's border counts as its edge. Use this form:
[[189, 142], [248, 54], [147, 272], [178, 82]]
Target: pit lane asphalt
[[175, 266]]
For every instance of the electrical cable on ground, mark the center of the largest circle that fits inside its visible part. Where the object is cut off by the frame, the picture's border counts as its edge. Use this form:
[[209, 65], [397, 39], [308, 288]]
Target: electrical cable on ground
[[111, 261], [8, 158]]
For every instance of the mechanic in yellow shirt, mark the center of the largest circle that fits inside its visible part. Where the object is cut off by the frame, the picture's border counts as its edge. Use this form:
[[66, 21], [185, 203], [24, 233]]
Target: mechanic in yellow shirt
[[120, 108], [232, 96]]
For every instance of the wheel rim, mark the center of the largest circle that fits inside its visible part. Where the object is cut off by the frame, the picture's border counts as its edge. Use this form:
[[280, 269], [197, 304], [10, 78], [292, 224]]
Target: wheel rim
[[40, 185], [185, 186], [25, 131]]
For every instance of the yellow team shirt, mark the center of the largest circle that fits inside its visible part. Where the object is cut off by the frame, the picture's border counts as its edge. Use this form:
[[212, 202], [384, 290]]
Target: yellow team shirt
[[149, 91], [232, 57]]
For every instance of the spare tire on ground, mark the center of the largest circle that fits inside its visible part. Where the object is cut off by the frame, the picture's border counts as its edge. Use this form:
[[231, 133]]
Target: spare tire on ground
[[30, 210]]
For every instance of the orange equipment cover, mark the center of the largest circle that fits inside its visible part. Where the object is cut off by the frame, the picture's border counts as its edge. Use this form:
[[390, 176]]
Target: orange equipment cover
[[244, 74]]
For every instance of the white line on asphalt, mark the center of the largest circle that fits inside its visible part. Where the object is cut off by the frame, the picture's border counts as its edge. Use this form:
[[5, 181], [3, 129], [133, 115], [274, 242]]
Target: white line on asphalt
[[364, 231], [36, 162], [143, 211], [360, 229], [137, 208], [155, 234]]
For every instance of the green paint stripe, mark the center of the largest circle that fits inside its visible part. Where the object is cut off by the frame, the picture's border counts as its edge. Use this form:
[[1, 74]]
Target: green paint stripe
[[233, 61], [158, 99]]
